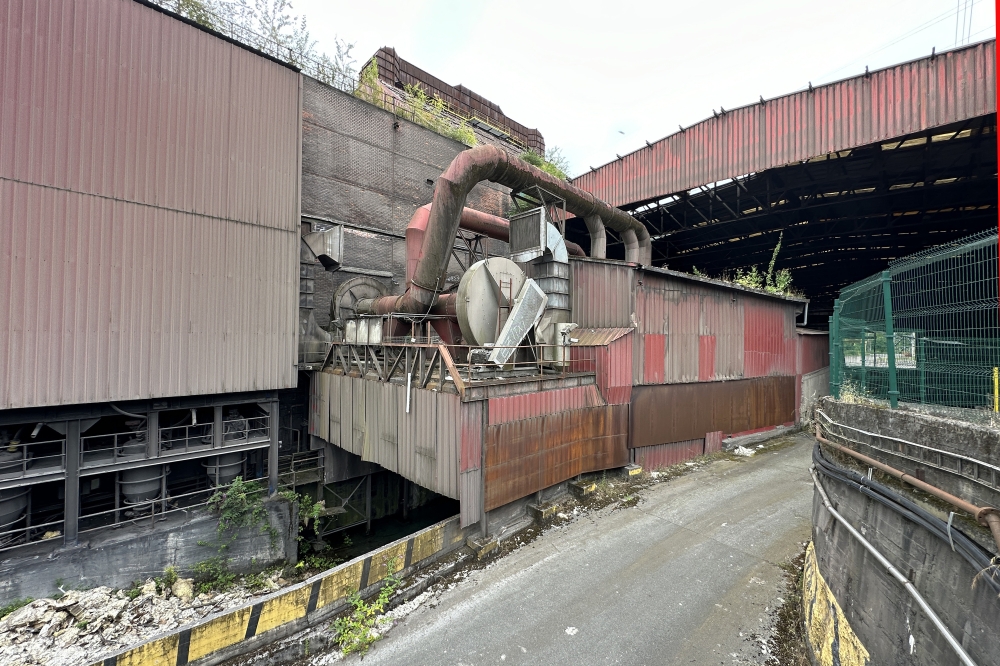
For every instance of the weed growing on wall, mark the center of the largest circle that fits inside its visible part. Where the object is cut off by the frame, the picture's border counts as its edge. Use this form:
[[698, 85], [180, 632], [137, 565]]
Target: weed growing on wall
[[356, 630], [241, 504]]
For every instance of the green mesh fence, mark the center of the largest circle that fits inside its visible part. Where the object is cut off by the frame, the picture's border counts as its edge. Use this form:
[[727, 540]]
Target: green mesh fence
[[923, 331]]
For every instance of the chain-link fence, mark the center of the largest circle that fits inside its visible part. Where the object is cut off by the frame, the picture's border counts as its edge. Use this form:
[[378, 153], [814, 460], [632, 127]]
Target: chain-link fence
[[924, 331]]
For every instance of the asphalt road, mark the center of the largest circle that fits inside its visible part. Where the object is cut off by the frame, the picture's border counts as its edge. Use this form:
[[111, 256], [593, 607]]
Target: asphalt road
[[689, 576]]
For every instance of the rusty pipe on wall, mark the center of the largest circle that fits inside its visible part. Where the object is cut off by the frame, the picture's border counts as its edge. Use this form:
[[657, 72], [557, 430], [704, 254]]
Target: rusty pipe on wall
[[598, 237], [985, 516], [469, 168]]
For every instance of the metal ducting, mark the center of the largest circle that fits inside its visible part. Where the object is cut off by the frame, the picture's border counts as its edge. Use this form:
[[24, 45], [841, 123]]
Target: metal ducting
[[450, 192]]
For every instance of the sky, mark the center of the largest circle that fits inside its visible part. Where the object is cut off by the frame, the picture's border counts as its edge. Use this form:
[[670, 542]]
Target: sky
[[601, 78]]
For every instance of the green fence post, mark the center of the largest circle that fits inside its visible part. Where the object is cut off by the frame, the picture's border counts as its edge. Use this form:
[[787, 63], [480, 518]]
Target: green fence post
[[835, 346], [890, 339], [864, 372], [922, 361]]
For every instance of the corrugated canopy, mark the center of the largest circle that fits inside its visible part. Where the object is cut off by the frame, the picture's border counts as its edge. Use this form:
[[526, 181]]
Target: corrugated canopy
[[597, 337]]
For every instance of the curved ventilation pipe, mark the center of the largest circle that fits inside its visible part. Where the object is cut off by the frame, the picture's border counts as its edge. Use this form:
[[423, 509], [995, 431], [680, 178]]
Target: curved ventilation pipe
[[472, 220], [598, 238], [450, 192]]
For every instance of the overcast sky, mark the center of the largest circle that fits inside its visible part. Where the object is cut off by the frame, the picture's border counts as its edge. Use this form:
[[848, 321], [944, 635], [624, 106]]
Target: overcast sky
[[600, 78]]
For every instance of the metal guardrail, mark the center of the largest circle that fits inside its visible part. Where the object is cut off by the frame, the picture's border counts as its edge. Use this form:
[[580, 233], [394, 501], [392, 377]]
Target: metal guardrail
[[977, 471], [27, 459]]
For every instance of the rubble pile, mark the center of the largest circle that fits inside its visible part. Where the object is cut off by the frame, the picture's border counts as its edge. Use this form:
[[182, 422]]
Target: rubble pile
[[81, 626]]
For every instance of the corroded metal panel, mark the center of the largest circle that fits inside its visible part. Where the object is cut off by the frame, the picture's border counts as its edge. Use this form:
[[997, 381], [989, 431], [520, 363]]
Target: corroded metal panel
[[386, 430], [472, 435], [529, 405], [910, 97], [668, 413], [525, 456], [665, 455], [359, 424], [602, 294], [813, 351], [149, 208], [611, 363], [346, 413], [769, 338], [333, 386]]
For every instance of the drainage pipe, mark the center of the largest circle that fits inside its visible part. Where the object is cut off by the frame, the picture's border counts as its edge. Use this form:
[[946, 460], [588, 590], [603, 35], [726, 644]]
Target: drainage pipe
[[468, 169], [894, 572], [986, 516]]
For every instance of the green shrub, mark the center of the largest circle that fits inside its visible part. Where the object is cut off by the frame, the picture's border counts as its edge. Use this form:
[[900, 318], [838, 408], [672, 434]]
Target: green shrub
[[355, 631], [13, 606]]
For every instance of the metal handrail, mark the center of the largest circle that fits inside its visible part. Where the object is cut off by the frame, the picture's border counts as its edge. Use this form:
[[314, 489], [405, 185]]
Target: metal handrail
[[22, 466], [119, 441]]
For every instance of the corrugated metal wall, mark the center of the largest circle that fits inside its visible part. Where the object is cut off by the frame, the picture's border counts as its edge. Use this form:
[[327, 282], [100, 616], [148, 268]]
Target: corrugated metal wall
[[814, 351], [530, 405], [523, 457], [602, 294], [665, 455], [900, 100], [607, 352], [369, 419], [149, 208], [678, 412]]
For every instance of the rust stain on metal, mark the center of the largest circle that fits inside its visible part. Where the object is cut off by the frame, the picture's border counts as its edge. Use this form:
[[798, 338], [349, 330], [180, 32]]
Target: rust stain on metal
[[530, 405], [677, 412], [523, 457], [665, 455], [903, 99]]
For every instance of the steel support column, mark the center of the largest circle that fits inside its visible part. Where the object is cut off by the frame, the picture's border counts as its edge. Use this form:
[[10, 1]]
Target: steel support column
[[272, 451], [71, 491]]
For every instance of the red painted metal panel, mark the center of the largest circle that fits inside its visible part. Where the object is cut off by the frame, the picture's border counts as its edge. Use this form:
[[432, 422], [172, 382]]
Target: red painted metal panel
[[665, 455], [713, 441], [813, 351], [149, 208], [706, 357], [653, 358], [907, 98], [769, 339], [531, 405]]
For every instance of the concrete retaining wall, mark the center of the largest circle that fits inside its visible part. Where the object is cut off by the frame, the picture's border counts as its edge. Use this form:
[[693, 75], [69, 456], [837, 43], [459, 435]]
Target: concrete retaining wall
[[850, 595], [960, 437], [288, 611], [117, 557]]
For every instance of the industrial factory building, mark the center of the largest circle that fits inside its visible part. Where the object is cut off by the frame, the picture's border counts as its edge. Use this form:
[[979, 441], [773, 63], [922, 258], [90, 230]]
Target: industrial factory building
[[215, 265]]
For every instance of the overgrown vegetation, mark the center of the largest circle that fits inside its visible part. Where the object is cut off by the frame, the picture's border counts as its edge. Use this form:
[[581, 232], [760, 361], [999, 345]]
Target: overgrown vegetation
[[553, 162], [166, 581], [774, 282], [787, 646], [271, 27], [239, 505], [213, 575], [13, 606], [356, 630]]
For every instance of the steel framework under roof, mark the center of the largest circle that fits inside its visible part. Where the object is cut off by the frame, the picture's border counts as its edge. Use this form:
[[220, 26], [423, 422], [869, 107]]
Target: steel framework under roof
[[854, 174]]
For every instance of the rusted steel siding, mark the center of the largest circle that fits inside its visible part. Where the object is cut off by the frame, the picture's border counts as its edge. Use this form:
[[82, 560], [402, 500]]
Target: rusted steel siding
[[607, 352], [892, 102], [523, 457], [602, 294], [472, 435], [690, 331], [678, 412], [149, 208], [713, 441], [813, 351], [665, 455], [530, 405], [769, 338]]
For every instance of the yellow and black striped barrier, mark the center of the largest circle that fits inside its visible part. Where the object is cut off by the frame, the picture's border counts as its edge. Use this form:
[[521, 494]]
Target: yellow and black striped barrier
[[292, 609]]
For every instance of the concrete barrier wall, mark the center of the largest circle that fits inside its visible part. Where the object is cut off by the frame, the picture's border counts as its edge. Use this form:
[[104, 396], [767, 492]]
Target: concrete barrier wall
[[237, 631], [849, 590]]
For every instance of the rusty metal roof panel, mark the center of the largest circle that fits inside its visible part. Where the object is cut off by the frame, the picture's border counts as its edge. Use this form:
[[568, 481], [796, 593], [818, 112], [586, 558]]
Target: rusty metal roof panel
[[906, 98], [149, 208], [530, 405], [602, 295]]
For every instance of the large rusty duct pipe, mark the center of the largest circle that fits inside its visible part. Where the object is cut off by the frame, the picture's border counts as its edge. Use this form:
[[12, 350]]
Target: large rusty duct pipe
[[468, 169], [986, 516]]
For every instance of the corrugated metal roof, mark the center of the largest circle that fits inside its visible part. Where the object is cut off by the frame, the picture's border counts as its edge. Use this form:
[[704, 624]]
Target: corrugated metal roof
[[907, 98], [149, 201], [598, 337]]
